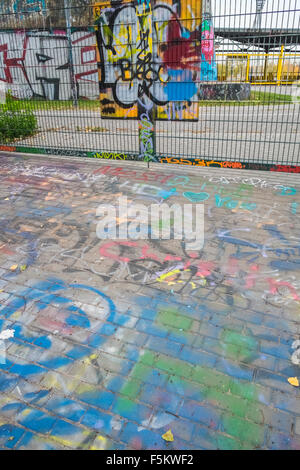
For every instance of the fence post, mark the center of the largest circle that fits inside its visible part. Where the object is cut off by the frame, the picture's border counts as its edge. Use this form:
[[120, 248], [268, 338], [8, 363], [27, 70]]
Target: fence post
[[248, 69], [280, 65], [70, 53], [146, 107], [266, 66]]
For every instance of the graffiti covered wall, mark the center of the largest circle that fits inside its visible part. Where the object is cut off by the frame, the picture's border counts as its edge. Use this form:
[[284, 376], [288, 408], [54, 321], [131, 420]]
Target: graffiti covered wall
[[23, 7], [149, 50], [208, 57], [34, 14], [157, 55], [34, 64]]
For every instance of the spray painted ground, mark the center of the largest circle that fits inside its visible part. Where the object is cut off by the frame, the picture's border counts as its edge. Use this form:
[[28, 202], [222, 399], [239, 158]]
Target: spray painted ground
[[109, 345]]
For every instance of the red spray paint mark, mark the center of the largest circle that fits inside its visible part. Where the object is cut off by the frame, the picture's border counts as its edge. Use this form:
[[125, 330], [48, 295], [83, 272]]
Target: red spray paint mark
[[145, 253], [181, 52], [104, 250], [275, 284], [205, 268], [172, 258]]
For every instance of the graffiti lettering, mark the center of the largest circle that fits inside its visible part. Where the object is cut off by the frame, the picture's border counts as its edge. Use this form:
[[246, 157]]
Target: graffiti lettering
[[45, 74], [160, 61], [198, 162], [112, 156]]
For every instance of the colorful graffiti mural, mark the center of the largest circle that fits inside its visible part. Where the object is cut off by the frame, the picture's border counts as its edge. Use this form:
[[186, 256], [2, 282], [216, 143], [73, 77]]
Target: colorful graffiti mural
[[156, 53], [209, 70], [23, 7], [16, 14], [36, 64]]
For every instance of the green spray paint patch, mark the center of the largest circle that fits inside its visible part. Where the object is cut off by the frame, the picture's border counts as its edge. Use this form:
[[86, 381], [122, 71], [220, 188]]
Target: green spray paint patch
[[245, 431], [227, 402], [211, 378], [236, 401], [227, 443], [172, 318], [131, 388], [245, 346], [148, 358], [244, 390]]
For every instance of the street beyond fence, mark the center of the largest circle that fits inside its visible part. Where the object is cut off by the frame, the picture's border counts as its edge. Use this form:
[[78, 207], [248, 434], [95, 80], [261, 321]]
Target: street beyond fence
[[258, 134]]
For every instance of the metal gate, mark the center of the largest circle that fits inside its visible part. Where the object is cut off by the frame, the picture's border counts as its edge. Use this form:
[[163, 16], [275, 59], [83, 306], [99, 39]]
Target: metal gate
[[203, 83]]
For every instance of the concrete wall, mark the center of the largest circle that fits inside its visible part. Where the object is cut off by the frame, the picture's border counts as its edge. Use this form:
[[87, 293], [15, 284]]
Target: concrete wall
[[43, 13]]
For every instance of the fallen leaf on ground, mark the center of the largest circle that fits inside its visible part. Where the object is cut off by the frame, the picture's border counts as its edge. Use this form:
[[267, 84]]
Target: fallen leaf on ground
[[168, 436], [294, 381], [14, 267]]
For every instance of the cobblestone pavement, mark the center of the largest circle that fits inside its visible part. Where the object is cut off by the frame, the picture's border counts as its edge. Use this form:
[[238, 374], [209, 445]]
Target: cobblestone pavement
[[110, 344]]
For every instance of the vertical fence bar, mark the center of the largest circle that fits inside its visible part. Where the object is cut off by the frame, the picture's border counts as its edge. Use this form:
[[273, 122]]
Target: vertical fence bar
[[248, 69], [280, 64], [144, 59], [70, 52]]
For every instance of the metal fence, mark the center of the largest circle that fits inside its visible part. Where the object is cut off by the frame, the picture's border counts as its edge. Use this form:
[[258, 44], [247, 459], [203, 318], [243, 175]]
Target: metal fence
[[204, 83]]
